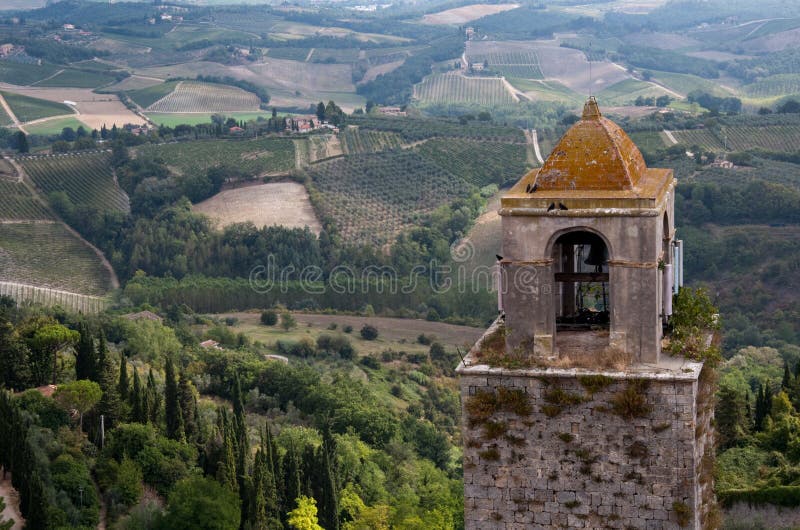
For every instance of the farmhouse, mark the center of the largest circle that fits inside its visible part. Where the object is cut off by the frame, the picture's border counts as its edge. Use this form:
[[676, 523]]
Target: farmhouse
[[573, 418], [391, 111], [143, 315]]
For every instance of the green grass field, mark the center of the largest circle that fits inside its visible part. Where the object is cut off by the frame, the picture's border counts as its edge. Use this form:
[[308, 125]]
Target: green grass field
[[87, 179], [55, 126], [16, 202], [47, 255], [25, 74], [262, 155], [170, 119], [147, 96], [29, 109]]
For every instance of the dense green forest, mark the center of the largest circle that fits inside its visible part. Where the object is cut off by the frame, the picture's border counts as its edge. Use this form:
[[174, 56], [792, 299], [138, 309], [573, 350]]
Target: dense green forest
[[195, 434]]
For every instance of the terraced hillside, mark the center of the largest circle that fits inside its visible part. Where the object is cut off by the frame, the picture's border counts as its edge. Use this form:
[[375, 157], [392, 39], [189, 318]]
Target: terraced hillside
[[354, 140], [373, 196], [87, 179], [784, 138], [47, 255], [194, 96], [253, 157], [17, 203], [506, 58], [479, 163]]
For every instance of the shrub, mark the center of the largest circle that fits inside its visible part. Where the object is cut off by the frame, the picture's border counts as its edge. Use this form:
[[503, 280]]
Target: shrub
[[269, 317], [424, 339], [682, 513], [416, 358], [369, 332], [288, 321], [437, 351], [370, 362], [336, 344], [631, 402], [348, 329]]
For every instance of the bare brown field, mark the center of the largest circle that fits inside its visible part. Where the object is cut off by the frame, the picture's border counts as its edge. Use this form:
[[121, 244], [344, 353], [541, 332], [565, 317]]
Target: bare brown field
[[135, 82], [571, 68], [773, 43], [284, 78], [463, 14], [380, 69], [276, 203], [565, 65], [95, 110], [288, 29]]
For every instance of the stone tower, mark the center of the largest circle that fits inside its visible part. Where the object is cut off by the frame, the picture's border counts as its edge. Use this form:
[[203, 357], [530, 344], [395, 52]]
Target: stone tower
[[572, 416]]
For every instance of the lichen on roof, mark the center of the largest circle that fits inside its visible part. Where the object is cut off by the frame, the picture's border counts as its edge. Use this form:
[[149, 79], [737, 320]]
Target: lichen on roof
[[594, 154]]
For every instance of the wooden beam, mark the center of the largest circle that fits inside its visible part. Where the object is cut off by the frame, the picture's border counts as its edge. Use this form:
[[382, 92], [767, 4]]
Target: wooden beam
[[574, 277]]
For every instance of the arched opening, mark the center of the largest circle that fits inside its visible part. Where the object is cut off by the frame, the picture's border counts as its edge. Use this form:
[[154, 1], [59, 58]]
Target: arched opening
[[667, 277], [582, 291]]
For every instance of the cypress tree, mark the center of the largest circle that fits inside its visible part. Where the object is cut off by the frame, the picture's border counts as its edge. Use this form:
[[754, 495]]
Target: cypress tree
[[241, 445], [85, 355], [263, 513], [748, 412], [292, 482], [110, 405], [240, 430], [172, 406], [329, 486], [226, 471], [188, 407], [787, 377], [138, 401], [730, 417], [257, 513], [36, 516], [122, 387], [153, 398]]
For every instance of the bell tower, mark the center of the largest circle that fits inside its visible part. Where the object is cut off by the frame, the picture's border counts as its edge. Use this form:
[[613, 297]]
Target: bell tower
[[573, 417], [588, 248]]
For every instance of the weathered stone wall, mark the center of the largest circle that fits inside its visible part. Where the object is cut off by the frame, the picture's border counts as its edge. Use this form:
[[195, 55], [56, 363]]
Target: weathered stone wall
[[556, 449]]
